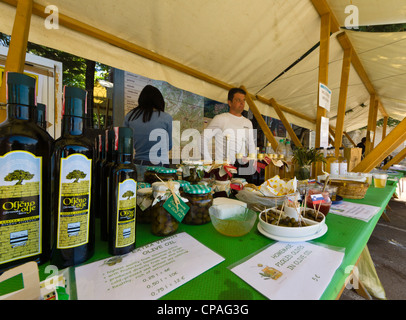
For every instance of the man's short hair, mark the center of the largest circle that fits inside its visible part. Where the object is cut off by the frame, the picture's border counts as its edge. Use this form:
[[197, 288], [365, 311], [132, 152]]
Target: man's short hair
[[233, 91]]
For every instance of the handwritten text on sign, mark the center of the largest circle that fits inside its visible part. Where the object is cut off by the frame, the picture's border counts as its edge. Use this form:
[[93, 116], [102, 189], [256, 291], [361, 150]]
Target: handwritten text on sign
[[148, 272]]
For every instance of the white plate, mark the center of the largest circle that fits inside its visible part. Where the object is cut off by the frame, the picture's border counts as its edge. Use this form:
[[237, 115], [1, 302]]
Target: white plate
[[322, 231]]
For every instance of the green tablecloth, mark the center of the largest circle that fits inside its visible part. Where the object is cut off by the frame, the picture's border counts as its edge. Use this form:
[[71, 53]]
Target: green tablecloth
[[219, 283]]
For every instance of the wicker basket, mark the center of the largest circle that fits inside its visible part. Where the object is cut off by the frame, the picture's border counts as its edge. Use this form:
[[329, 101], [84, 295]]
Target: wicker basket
[[350, 189]]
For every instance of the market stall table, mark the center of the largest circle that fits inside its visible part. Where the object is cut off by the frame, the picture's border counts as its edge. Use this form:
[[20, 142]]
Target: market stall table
[[219, 283]]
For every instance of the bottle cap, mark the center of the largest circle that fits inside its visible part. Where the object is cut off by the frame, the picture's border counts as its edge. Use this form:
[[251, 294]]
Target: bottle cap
[[20, 89], [74, 102], [123, 140]]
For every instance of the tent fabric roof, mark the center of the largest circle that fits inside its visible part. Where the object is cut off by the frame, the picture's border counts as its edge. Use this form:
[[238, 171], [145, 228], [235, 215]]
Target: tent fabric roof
[[238, 42]]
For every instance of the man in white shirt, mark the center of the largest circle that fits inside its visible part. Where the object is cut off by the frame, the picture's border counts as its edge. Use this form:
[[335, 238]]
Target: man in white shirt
[[232, 131]]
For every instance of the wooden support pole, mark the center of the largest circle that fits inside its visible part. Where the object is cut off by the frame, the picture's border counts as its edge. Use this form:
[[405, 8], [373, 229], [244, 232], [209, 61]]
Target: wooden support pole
[[342, 100], [384, 127], [371, 128], [323, 69], [260, 119], [349, 139], [382, 150], [18, 46], [396, 159], [286, 123]]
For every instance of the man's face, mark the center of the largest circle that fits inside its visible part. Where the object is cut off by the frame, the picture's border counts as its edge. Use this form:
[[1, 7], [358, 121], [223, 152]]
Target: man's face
[[238, 104]]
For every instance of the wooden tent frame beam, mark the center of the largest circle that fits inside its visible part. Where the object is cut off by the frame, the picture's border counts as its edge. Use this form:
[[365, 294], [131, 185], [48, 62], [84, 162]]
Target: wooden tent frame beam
[[260, 119], [383, 149], [396, 159], [342, 100], [88, 30], [18, 46]]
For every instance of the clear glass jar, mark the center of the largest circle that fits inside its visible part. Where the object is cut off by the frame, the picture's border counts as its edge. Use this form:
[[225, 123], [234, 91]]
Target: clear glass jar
[[200, 200], [144, 202], [162, 222], [221, 188], [163, 173]]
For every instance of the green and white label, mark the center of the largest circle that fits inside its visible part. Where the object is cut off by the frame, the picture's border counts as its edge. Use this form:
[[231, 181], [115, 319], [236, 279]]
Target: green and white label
[[126, 213], [20, 206], [74, 201]]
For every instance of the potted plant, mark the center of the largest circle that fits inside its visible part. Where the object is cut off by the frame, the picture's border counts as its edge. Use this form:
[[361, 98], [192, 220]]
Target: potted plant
[[303, 159]]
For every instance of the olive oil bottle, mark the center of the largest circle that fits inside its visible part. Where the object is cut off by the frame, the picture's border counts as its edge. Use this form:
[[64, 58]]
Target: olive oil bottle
[[101, 159], [25, 178], [105, 183], [41, 116], [123, 195], [74, 217]]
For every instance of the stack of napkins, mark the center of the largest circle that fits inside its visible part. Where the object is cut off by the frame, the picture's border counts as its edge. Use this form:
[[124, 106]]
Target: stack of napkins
[[227, 208]]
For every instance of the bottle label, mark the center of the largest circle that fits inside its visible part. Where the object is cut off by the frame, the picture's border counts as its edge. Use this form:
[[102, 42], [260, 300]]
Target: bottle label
[[126, 213], [74, 201], [20, 206]]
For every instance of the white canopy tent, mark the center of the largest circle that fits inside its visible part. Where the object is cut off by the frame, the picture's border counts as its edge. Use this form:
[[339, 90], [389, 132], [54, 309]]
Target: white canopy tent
[[208, 46]]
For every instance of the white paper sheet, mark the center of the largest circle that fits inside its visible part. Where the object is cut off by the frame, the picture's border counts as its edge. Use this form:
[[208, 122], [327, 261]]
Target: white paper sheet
[[290, 271], [148, 273], [358, 211]]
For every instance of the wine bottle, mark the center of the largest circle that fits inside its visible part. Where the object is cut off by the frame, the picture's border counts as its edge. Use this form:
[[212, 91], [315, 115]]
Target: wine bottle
[[101, 159], [105, 183], [123, 193], [25, 178], [74, 204]]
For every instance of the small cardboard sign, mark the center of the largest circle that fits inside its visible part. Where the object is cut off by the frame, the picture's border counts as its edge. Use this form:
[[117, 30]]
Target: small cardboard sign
[[177, 212]]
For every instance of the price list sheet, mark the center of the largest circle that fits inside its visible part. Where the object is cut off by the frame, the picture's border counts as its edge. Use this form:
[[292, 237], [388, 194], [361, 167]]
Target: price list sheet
[[290, 271], [147, 273]]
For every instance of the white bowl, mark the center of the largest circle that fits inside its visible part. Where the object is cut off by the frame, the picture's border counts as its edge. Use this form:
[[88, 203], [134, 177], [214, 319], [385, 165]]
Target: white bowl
[[311, 228]]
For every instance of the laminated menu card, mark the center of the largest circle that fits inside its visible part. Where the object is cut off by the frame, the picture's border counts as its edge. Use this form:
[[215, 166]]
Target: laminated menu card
[[290, 271], [147, 273]]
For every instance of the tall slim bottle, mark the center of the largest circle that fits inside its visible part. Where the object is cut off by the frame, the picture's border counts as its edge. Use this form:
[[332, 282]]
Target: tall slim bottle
[[105, 183], [123, 195], [74, 223], [25, 178], [101, 159]]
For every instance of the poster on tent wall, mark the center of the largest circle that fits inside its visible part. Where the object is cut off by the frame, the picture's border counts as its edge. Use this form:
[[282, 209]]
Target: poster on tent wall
[[324, 97]]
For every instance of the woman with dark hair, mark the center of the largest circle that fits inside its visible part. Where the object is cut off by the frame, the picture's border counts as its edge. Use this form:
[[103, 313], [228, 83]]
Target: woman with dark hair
[[152, 129]]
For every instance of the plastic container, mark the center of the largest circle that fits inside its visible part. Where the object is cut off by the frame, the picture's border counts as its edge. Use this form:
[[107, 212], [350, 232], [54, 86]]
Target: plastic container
[[380, 180], [200, 200]]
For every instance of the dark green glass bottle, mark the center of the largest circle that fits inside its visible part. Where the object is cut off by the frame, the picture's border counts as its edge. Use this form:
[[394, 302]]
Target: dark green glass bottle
[[74, 175], [123, 195], [101, 159], [41, 116], [110, 161], [25, 178]]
